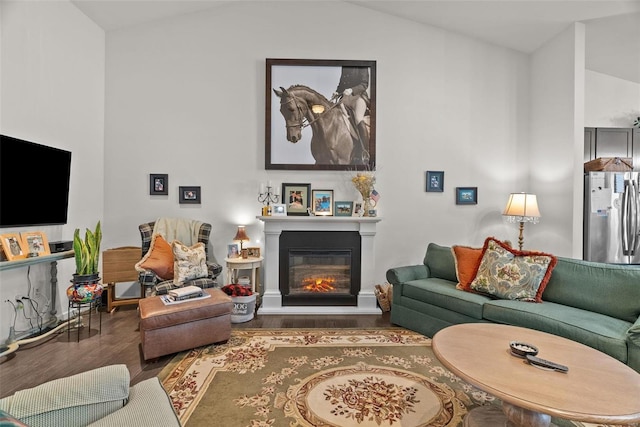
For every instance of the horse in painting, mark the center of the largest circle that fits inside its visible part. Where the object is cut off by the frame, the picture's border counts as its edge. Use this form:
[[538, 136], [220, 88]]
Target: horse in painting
[[333, 139]]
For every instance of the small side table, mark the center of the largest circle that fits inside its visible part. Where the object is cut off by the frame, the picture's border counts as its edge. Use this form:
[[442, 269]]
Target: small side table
[[251, 263], [93, 304]]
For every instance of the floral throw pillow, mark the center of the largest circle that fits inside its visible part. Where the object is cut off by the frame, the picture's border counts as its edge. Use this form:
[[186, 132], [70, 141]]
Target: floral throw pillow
[[507, 273], [189, 262]]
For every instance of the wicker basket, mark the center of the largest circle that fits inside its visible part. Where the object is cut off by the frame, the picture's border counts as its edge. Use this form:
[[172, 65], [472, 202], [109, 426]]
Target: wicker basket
[[609, 164], [384, 294]]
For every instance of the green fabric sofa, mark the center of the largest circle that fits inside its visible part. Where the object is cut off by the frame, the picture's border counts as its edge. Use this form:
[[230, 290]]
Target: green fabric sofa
[[98, 398], [595, 304]]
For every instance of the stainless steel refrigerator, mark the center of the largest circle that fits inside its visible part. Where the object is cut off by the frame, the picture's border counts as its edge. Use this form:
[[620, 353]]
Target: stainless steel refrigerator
[[612, 217]]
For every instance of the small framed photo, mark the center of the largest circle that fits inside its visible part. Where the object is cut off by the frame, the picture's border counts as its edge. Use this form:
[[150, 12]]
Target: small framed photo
[[158, 184], [343, 208], [190, 195], [435, 181], [279, 210], [322, 201], [12, 246], [233, 250], [357, 209], [297, 198], [466, 195], [253, 251], [35, 243]]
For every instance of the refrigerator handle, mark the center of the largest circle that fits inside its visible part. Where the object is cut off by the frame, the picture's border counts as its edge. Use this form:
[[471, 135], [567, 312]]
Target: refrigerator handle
[[625, 217], [634, 213]]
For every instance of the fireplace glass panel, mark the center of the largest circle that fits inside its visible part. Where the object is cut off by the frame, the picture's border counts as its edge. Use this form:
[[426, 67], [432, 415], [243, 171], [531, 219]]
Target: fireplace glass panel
[[313, 272]]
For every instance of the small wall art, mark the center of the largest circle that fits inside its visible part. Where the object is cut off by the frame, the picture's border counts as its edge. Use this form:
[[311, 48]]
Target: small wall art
[[158, 184], [190, 195], [466, 195], [435, 181]]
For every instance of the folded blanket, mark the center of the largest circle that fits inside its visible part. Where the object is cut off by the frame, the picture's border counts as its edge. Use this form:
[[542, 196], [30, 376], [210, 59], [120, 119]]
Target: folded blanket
[[184, 230]]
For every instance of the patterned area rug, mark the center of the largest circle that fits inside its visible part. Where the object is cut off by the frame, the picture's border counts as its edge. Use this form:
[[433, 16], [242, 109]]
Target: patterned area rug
[[318, 377]]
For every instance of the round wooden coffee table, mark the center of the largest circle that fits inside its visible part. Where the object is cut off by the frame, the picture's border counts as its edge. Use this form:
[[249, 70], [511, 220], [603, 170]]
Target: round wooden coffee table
[[597, 388]]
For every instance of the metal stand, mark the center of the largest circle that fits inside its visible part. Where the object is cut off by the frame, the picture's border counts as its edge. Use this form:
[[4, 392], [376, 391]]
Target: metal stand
[[92, 304]]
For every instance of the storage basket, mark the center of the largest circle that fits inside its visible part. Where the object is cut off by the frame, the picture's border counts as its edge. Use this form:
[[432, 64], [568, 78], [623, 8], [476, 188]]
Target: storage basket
[[384, 294], [243, 308], [609, 164]]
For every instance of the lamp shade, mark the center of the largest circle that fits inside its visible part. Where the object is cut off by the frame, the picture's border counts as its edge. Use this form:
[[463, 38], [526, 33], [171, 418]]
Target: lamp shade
[[522, 207], [241, 234]]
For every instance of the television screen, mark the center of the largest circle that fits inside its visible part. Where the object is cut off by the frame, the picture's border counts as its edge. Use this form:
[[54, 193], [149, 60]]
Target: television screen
[[34, 183]]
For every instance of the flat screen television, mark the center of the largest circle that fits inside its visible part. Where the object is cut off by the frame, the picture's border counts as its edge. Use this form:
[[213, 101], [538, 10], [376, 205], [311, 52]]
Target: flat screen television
[[34, 183]]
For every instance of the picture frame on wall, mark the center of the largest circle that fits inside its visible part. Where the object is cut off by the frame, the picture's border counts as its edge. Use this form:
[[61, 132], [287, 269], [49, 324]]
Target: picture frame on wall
[[322, 202], [190, 195], [343, 208], [435, 181], [158, 184], [291, 144], [466, 195], [297, 198], [35, 243], [12, 246]]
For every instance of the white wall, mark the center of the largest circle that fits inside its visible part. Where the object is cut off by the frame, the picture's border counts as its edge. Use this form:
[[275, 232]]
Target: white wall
[[610, 101], [186, 97], [555, 153], [52, 85]]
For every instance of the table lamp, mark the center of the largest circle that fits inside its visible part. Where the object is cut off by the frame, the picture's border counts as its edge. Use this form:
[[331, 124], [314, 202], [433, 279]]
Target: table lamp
[[522, 207], [241, 236]]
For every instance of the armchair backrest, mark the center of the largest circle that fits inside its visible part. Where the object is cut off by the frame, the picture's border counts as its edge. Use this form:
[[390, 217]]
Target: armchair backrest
[[146, 233]]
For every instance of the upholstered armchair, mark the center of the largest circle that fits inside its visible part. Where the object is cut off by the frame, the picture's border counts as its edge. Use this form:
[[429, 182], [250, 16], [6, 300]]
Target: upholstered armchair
[[175, 253]]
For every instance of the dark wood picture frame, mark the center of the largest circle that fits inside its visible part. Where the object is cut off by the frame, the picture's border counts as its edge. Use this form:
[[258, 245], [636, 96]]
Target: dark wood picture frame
[[297, 198], [158, 184], [322, 77], [190, 195], [435, 181], [466, 195]]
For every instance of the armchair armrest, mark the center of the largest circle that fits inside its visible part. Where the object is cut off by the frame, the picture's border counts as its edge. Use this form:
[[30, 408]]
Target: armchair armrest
[[78, 399], [214, 269], [399, 275]]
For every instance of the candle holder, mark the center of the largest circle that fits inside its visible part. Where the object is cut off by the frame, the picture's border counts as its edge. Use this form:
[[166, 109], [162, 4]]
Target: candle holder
[[267, 196]]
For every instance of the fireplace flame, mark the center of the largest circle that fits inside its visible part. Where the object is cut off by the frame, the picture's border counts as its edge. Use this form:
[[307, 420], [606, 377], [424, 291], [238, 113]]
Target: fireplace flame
[[318, 284]]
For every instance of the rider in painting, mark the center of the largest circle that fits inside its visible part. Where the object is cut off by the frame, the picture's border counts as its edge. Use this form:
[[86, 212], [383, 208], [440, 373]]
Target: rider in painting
[[352, 90]]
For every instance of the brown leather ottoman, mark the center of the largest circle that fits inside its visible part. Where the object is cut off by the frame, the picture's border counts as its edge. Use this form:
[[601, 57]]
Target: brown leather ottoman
[[167, 329]]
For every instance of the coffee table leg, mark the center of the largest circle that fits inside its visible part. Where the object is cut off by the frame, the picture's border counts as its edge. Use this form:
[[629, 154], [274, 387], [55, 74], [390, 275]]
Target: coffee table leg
[[508, 416]]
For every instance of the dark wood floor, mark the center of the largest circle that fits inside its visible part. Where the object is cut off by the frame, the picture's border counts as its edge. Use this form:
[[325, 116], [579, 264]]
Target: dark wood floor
[[60, 356]]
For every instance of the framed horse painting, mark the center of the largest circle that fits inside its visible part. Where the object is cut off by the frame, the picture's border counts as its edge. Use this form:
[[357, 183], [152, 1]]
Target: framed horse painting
[[320, 114]]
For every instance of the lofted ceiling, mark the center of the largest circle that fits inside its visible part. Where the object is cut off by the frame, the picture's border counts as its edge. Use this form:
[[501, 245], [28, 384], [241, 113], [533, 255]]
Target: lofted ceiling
[[612, 26]]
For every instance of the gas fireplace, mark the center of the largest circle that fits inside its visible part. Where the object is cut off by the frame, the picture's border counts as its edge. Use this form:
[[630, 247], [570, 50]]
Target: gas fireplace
[[319, 268]]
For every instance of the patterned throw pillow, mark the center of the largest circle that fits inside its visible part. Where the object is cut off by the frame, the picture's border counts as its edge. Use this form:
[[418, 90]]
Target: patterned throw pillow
[[158, 259], [466, 261], [507, 273], [189, 262]]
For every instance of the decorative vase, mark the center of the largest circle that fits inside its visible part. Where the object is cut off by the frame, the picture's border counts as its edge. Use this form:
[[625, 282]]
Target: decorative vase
[[84, 288], [366, 206]]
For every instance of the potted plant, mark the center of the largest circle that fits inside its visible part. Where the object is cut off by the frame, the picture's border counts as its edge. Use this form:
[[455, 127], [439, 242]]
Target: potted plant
[[85, 284]]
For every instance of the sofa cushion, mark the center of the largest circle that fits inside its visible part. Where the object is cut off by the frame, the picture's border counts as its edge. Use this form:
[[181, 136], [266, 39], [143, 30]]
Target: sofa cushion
[[608, 289], [507, 273], [601, 332], [466, 260], [189, 262], [158, 259], [443, 293], [440, 261]]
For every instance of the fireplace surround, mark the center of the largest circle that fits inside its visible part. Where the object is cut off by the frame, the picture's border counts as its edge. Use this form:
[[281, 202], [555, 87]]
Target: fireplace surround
[[314, 252]]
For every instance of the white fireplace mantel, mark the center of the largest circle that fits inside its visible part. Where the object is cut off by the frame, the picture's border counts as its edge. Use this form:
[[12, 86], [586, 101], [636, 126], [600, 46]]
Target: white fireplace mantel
[[275, 225]]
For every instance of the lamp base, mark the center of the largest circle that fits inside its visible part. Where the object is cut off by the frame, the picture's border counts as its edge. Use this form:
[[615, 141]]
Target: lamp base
[[521, 236]]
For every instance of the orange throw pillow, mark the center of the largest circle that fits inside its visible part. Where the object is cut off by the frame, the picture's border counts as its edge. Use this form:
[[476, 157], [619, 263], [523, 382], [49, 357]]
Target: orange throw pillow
[[158, 259], [467, 261]]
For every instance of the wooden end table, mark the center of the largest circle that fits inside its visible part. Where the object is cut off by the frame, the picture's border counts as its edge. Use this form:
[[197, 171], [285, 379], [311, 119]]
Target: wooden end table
[[597, 388]]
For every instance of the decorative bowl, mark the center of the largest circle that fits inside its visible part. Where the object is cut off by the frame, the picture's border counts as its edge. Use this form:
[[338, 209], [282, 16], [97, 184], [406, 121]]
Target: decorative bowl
[[522, 349]]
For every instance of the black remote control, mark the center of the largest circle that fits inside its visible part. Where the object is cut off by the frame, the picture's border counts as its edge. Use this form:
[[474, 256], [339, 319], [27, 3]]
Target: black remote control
[[534, 360]]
